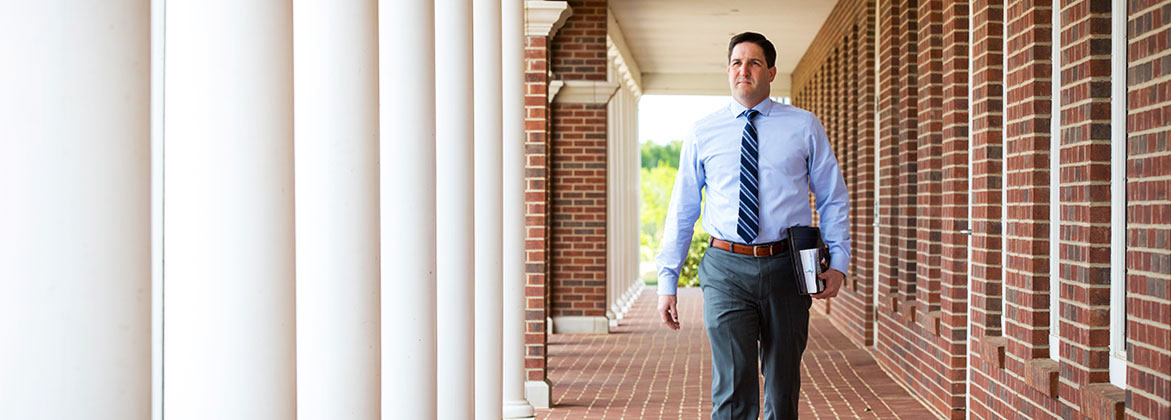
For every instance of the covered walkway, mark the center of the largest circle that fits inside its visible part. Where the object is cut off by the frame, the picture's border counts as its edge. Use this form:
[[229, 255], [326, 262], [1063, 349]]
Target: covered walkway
[[644, 371]]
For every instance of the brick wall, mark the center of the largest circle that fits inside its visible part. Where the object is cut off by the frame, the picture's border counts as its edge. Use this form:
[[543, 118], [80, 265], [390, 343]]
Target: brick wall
[[536, 205], [831, 83], [579, 48], [577, 161], [934, 170], [1148, 259]]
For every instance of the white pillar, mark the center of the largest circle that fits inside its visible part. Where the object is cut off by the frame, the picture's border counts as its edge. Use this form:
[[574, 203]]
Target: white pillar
[[613, 178], [406, 51], [336, 125], [454, 198], [229, 337], [488, 231], [75, 238], [512, 54]]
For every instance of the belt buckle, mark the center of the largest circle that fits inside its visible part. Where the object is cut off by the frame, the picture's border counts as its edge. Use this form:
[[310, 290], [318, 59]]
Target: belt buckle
[[757, 248]]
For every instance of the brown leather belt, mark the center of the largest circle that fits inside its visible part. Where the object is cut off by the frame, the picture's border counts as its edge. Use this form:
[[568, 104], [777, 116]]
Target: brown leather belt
[[765, 250]]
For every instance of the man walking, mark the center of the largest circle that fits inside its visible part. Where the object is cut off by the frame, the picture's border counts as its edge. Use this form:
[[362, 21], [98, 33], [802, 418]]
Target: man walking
[[753, 163]]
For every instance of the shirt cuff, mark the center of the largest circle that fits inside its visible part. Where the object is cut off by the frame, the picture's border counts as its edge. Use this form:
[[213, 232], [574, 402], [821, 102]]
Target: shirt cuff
[[839, 261], [668, 285]]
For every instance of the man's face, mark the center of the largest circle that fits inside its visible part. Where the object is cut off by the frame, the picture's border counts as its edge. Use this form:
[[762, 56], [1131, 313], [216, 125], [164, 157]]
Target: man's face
[[749, 74]]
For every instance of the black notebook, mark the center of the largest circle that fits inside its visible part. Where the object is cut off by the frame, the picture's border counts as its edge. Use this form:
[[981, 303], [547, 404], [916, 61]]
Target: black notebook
[[810, 257]]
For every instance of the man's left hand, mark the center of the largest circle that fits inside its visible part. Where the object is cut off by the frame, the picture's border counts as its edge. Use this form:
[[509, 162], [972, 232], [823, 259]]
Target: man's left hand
[[833, 282]]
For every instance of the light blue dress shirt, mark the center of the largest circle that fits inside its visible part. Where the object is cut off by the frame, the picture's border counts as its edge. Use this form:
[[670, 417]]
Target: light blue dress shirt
[[794, 159]]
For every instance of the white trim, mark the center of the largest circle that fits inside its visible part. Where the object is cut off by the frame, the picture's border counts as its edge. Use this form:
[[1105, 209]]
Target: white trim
[[877, 171], [584, 92], [539, 393], [158, 20], [544, 18], [580, 325], [1055, 195], [1004, 86], [628, 68], [968, 250], [1118, 111]]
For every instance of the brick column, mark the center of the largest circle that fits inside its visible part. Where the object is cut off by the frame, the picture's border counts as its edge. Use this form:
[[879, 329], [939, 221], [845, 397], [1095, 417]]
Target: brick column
[[1026, 138], [952, 325], [908, 150], [864, 188], [930, 157], [986, 161], [536, 207], [1085, 206], [888, 336], [1148, 260], [578, 179], [542, 19]]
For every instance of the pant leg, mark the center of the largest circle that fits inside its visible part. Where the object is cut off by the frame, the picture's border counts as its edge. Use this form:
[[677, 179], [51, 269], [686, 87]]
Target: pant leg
[[732, 319], [784, 332]]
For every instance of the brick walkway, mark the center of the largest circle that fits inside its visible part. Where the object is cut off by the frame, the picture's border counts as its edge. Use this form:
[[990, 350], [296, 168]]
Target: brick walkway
[[646, 371]]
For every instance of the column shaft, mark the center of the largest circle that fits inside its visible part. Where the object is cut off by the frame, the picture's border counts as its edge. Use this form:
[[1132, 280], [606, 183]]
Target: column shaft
[[228, 224], [75, 238], [336, 125], [486, 60], [406, 51], [454, 194], [513, 114]]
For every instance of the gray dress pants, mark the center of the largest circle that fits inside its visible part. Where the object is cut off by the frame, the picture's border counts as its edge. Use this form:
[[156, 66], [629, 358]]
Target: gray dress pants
[[746, 301]]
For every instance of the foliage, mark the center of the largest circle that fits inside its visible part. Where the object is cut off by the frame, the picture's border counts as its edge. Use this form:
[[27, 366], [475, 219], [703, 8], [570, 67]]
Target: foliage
[[658, 155], [657, 182], [689, 275]]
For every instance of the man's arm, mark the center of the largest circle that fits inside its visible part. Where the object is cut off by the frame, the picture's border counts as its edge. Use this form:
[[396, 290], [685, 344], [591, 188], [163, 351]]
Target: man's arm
[[833, 206], [682, 212]]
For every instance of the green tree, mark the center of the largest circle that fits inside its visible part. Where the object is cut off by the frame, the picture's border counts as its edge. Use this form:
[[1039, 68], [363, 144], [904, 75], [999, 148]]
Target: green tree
[[655, 155], [656, 185]]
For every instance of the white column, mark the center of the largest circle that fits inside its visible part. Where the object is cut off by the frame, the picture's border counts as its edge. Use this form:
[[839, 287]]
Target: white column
[[487, 62], [613, 179], [454, 194], [229, 338], [406, 52], [336, 126], [512, 54], [75, 244]]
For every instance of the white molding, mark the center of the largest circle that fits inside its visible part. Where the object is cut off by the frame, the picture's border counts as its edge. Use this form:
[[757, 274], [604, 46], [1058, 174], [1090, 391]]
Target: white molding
[[1055, 195], [581, 325], [582, 92], [544, 18], [1118, 140], [619, 52], [539, 393], [554, 89]]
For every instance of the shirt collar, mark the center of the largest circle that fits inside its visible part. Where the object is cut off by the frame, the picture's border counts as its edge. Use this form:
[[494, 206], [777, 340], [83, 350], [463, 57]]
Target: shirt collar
[[763, 107]]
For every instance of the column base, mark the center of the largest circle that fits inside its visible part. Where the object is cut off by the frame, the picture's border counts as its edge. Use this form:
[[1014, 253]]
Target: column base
[[539, 393], [581, 325], [518, 410]]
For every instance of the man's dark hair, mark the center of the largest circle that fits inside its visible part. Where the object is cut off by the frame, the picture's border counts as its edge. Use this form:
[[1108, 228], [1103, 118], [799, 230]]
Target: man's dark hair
[[770, 52]]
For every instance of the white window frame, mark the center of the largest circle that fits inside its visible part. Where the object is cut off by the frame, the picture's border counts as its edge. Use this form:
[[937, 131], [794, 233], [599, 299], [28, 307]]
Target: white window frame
[[1055, 196], [1118, 113]]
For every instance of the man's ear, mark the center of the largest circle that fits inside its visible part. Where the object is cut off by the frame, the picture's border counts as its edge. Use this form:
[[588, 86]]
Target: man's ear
[[772, 73]]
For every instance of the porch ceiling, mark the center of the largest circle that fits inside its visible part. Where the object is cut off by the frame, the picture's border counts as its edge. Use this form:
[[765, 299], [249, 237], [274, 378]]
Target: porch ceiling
[[681, 45]]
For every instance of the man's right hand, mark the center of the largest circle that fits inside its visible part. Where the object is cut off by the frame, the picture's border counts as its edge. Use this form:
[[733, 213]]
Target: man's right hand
[[668, 311]]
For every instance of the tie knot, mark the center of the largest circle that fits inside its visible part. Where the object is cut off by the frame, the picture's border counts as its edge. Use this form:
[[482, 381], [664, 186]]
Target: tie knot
[[750, 113]]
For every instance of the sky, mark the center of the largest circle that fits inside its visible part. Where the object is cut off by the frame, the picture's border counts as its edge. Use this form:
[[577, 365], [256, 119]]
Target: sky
[[663, 118]]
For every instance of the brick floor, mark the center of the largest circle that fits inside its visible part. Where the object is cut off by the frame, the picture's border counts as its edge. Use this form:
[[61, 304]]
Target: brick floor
[[643, 370]]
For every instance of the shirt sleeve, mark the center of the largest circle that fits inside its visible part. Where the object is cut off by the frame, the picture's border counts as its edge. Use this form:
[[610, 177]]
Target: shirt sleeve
[[832, 199], [682, 213]]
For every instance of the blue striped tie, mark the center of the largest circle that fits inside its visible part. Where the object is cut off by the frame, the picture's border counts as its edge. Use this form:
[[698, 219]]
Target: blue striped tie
[[749, 223]]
